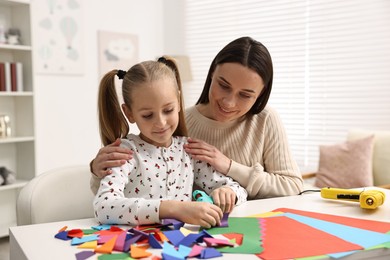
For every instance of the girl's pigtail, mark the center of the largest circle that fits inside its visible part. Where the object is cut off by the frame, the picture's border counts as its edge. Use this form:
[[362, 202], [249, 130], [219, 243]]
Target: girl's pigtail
[[112, 122], [181, 129]]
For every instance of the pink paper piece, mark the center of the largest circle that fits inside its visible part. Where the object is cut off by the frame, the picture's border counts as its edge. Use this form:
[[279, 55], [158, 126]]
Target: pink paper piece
[[120, 242], [217, 242], [196, 250], [104, 239]]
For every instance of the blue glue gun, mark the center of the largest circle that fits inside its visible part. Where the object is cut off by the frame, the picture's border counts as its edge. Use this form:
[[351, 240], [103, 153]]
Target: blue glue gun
[[202, 196]]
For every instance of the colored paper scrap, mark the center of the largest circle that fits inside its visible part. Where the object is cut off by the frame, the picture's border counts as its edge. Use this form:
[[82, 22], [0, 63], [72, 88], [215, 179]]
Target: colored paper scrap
[[195, 251], [78, 241], [131, 241], [75, 233], [209, 252], [250, 229], [62, 229], [90, 245], [169, 250], [102, 227], [120, 242], [359, 236], [174, 236], [191, 239], [84, 255], [224, 220], [107, 247], [63, 235], [105, 238], [120, 256], [139, 232], [217, 242], [186, 232], [234, 236], [287, 238], [184, 250], [153, 242], [139, 251], [377, 226], [174, 222]]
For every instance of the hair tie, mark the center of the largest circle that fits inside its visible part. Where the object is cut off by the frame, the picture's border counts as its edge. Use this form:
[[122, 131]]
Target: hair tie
[[162, 60], [121, 74]]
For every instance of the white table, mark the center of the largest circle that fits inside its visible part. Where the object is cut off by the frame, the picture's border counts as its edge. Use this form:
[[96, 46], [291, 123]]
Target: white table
[[37, 242]]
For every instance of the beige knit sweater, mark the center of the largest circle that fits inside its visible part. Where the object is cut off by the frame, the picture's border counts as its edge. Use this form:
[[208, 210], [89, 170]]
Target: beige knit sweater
[[261, 159]]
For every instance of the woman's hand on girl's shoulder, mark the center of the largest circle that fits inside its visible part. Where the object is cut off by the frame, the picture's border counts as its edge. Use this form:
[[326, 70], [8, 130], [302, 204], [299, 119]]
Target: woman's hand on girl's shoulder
[[108, 157], [205, 152]]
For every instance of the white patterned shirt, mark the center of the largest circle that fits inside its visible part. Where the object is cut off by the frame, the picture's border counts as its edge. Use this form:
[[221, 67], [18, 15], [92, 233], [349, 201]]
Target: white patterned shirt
[[132, 193]]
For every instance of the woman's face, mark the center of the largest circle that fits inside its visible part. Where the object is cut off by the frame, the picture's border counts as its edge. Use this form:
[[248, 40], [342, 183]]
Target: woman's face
[[233, 91]]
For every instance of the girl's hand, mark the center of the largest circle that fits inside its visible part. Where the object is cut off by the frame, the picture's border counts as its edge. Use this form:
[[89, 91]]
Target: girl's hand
[[205, 152], [225, 198], [192, 212], [110, 156]]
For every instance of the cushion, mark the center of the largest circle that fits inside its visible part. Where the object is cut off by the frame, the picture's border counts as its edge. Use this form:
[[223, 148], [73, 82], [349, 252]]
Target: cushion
[[381, 154], [346, 165]]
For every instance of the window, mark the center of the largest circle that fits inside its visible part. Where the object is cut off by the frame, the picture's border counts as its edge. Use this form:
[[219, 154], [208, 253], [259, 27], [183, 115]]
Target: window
[[331, 62]]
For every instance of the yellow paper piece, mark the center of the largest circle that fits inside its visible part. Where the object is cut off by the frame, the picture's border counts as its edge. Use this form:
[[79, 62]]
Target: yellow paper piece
[[186, 232], [266, 214], [90, 245]]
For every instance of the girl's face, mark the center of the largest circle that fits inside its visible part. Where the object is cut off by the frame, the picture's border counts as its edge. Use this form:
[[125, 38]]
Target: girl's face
[[233, 91], [155, 109]]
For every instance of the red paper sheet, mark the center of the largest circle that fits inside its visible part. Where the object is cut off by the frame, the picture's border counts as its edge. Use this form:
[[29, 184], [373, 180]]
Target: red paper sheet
[[372, 225], [286, 238]]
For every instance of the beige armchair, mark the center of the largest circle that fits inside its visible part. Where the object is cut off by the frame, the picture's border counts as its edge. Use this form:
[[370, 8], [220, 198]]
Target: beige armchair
[[57, 195]]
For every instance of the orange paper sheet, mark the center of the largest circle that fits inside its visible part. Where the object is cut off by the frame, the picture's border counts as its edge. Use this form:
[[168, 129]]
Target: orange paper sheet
[[292, 239]]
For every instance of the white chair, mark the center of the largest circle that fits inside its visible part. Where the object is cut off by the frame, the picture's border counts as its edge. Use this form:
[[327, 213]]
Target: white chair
[[56, 195]]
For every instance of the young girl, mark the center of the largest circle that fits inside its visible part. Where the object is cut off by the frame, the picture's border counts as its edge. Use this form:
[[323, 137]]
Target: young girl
[[157, 182]]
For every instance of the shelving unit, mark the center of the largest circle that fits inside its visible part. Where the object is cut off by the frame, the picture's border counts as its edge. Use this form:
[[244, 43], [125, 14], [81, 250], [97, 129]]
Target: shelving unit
[[17, 152]]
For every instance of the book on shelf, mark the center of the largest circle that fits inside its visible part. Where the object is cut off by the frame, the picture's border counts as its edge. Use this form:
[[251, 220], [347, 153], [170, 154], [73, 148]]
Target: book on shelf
[[11, 76]]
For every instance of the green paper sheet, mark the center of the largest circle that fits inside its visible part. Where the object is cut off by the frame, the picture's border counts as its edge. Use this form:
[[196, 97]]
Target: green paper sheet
[[249, 227]]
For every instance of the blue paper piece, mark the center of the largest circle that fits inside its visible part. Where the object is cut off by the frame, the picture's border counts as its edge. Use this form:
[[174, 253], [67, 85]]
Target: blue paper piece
[[175, 236], [130, 241], [63, 235], [169, 250], [191, 239], [102, 227], [139, 232], [84, 255], [174, 222], [362, 237], [209, 252], [80, 240], [153, 242], [169, 257], [184, 250]]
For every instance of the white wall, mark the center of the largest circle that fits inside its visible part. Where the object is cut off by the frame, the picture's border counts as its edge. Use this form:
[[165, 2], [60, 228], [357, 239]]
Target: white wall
[[66, 125]]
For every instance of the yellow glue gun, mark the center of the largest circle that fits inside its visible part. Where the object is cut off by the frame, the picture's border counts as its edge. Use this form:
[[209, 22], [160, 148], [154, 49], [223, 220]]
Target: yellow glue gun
[[368, 199]]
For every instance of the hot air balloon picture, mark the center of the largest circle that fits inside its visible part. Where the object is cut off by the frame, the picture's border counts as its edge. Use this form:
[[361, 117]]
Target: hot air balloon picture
[[59, 43]]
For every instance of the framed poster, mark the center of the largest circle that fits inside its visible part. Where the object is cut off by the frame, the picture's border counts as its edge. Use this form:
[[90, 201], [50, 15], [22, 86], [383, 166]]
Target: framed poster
[[117, 51], [59, 36]]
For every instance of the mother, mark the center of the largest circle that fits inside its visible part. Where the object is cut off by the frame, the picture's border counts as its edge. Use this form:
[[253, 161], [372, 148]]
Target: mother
[[232, 128]]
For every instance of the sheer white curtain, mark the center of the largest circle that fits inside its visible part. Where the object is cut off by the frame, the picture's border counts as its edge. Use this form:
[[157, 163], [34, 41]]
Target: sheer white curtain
[[331, 62]]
